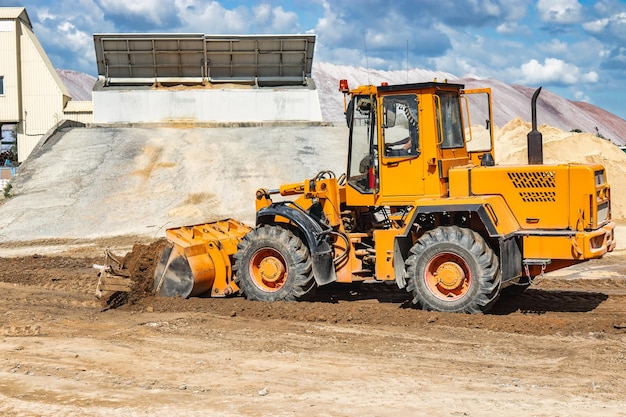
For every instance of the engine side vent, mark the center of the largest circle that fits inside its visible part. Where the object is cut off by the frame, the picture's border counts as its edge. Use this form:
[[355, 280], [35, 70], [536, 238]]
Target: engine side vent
[[538, 196], [534, 179]]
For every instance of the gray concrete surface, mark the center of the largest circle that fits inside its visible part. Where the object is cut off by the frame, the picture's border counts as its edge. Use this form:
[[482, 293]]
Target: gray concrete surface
[[90, 183]]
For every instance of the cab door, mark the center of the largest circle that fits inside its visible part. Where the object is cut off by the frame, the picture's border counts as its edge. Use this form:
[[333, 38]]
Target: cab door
[[362, 173], [478, 125], [401, 169]]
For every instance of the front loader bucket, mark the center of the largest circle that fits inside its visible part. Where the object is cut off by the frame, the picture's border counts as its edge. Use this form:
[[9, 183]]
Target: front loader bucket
[[198, 259]]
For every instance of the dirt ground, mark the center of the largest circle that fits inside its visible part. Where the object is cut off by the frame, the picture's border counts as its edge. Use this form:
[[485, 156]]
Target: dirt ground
[[558, 349]]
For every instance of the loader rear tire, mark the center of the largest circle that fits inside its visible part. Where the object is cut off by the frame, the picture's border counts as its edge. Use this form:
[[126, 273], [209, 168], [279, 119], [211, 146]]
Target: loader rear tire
[[273, 264], [452, 269]]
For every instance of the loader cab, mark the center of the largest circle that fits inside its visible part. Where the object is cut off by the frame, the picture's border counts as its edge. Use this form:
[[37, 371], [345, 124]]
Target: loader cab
[[404, 139]]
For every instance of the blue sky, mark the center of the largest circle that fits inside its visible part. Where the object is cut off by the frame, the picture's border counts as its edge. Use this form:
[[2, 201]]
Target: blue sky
[[575, 48]]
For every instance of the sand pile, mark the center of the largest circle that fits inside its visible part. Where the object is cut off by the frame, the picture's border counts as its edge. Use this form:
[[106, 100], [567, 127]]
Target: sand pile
[[561, 147]]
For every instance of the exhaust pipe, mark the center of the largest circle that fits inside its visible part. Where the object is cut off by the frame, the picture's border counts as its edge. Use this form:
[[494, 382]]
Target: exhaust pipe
[[535, 139]]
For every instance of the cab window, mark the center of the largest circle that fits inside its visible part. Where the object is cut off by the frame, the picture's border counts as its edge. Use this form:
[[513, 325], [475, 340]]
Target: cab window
[[449, 120], [362, 158], [400, 125]]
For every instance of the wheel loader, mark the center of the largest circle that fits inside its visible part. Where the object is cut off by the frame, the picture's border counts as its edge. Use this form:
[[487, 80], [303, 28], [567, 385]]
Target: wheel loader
[[422, 203]]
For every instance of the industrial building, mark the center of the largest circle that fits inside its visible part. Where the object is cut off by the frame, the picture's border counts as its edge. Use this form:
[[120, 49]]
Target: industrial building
[[32, 95]]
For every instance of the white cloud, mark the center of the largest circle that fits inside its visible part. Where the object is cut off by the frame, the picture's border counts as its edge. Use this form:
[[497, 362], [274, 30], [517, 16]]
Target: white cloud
[[606, 7], [155, 11], [517, 10], [590, 77], [263, 12], [555, 46], [478, 55], [274, 20], [596, 26], [613, 27], [66, 32], [45, 14], [581, 96], [211, 18], [554, 71], [338, 41], [610, 32], [283, 21], [510, 28], [559, 11], [332, 25]]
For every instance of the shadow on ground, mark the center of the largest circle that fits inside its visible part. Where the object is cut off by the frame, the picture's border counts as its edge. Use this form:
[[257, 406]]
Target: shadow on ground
[[535, 301]]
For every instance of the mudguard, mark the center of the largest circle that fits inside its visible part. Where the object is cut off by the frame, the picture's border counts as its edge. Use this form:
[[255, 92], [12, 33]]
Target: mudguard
[[315, 235], [510, 252]]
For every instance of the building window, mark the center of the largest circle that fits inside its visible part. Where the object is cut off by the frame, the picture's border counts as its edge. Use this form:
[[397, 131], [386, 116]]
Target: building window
[[1, 85]]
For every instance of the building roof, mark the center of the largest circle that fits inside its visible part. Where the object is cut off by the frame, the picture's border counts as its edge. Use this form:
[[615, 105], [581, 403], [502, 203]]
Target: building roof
[[15, 13], [73, 106]]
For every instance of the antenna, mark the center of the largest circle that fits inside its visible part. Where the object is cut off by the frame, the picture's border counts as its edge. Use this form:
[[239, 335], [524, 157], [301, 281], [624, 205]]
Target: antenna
[[407, 61], [367, 63]]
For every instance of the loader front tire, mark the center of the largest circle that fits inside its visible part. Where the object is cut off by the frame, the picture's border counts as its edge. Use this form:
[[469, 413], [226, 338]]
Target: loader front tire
[[273, 264], [452, 269]]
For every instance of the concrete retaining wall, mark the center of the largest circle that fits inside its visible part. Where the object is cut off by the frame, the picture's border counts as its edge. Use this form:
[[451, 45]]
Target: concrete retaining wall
[[205, 105]]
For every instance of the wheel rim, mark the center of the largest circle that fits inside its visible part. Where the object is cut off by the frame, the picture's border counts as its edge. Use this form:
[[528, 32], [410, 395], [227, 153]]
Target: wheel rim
[[447, 276], [268, 269]]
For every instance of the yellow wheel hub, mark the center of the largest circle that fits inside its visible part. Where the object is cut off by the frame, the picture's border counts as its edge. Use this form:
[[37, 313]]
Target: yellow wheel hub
[[449, 275], [271, 269]]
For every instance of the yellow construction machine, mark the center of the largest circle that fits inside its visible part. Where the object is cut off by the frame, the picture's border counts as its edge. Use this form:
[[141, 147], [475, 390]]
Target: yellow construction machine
[[422, 203]]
